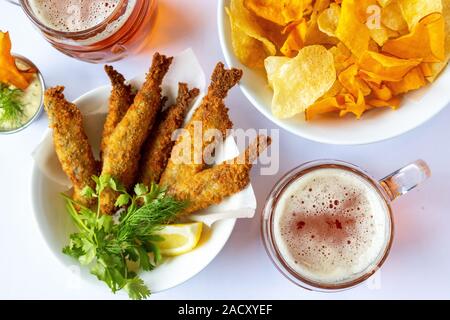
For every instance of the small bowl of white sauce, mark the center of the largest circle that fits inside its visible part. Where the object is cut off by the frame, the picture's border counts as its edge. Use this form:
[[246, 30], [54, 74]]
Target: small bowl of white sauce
[[28, 103]]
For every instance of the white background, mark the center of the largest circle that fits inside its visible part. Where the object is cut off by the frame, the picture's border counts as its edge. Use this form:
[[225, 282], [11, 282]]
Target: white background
[[419, 264]]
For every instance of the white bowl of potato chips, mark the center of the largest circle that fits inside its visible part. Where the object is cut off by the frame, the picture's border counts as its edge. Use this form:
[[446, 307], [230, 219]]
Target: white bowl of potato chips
[[341, 72]]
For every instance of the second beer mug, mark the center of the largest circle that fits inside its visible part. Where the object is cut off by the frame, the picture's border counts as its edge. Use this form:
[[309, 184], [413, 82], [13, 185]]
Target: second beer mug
[[328, 225], [93, 30]]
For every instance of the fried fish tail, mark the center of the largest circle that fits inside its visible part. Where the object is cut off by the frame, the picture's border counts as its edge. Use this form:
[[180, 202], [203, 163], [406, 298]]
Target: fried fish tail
[[213, 185], [212, 114], [122, 154], [71, 143], [120, 100], [222, 81], [159, 144]]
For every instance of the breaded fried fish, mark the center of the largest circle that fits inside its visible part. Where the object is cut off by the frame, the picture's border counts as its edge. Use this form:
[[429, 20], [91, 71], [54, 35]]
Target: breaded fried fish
[[122, 153], [159, 144], [213, 185], [212, 114], [71, 143], [120, 100]]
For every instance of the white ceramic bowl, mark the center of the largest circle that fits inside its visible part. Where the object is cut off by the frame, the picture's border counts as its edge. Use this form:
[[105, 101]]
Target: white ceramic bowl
[[56, 225], [378, 125]]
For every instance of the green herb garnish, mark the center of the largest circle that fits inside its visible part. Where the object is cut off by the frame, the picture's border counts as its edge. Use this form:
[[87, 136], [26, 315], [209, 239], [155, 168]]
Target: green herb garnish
[[108, 247], [11, 108]]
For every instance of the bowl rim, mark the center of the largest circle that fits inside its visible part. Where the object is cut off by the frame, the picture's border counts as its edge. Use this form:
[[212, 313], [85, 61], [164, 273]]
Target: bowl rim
[[228, 53]]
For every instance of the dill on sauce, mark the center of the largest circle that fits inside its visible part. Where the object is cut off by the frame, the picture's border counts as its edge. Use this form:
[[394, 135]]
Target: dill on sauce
[[11, 107]]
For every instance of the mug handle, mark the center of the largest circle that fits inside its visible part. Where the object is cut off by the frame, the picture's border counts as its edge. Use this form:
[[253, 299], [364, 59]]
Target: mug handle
[[406, 179], [15, 2]]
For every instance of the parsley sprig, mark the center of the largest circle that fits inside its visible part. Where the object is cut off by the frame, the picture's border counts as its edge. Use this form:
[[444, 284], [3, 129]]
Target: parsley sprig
[[110, 248], [11, 108]]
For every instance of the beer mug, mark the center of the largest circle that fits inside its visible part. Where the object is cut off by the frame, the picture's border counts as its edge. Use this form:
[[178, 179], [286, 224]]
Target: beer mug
[[328, 225], [95, 31]]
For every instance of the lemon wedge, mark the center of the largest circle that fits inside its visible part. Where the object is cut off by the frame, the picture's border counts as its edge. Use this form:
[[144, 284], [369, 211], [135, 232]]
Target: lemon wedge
[[179, 238]]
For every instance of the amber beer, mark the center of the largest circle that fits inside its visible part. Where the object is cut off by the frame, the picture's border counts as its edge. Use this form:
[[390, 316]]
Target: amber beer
[[327, 225], [331, 226], [94, 30]]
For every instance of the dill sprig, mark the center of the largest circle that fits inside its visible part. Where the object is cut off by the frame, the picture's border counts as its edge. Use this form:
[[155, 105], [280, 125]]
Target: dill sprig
[[11, 108], [108, 247]]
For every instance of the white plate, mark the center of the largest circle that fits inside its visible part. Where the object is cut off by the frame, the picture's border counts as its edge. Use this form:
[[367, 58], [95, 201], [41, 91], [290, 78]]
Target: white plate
[[56, 225], [375, 126]]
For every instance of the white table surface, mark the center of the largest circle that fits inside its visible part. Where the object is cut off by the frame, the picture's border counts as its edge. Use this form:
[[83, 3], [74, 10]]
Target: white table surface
[[419, 264]]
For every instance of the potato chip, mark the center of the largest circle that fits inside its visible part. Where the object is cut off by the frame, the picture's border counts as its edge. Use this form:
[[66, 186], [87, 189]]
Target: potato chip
[[295, 40], [345, 97], [271, 31], [249, 44], [328, 20], [248, 50], [342, 57], [393, 103], [302, 81], [351, 30], [380, 92], [350, 81], [281, 12], [380, 36], [368, 12], [319, 6], [357, 107], [9, 73], [273, 65], [321, 107], [303, 33], [436, 69], [340, 52], [426, 69], [370, 77], [426, 41], [446, 14], [315, 36], [392, 17], [384, 67], [334, 90], [384, 3], [413, 80], [371, 12], [414, 10], [308, 9], [390, 25]]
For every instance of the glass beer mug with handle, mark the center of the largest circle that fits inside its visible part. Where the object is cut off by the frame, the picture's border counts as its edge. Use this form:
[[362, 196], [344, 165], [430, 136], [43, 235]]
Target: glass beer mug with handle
[[94, 31], [328, 225]]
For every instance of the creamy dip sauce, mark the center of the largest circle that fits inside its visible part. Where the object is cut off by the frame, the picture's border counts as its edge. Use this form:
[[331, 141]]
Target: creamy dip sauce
[[30, 99]]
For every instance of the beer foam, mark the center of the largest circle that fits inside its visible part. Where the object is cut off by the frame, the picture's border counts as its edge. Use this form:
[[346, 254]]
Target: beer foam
[[331, 226], [80, 15], [72, 15]]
